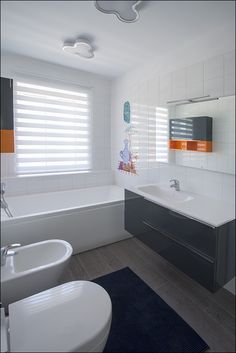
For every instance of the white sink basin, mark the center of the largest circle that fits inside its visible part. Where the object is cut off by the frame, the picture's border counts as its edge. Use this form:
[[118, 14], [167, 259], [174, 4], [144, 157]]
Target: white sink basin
[[33, 268], [165, 194]]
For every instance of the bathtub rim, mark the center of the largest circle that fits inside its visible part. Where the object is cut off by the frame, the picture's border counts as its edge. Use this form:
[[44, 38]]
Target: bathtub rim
[[16, 275], [67, 210]]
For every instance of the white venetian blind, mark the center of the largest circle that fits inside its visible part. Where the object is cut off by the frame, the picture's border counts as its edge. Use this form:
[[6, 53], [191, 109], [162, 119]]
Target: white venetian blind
[[52, 127]]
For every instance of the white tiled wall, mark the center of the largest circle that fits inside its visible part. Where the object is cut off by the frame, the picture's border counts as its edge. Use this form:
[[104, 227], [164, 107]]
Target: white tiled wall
[[13, 65], [219, 186], [153, 88], [56, 182]]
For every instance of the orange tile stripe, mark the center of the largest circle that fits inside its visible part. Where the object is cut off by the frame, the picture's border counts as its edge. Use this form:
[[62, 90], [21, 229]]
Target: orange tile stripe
[[7, 141], [191, 145]]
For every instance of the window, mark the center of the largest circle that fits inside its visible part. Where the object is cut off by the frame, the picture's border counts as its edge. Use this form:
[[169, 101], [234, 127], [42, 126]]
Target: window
[[52, 127]]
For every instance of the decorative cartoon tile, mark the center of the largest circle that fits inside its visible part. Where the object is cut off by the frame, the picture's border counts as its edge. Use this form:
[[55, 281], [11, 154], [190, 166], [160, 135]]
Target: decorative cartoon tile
[[127, 112], [128, 158]]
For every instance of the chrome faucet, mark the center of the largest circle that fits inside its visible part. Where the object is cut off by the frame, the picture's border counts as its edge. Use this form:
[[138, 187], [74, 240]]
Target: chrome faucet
[[6, 251], [175, 184], [4, 204]]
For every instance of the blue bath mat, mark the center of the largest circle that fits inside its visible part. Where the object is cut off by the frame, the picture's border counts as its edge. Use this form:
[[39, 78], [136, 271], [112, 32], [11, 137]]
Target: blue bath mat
[[142, 321]]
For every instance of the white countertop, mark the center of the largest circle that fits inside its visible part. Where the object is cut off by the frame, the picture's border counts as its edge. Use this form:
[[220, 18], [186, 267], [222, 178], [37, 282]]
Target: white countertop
[[204, 209]]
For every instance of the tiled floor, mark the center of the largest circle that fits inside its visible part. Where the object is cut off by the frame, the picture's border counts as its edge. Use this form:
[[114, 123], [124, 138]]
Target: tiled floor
[[212, 316]]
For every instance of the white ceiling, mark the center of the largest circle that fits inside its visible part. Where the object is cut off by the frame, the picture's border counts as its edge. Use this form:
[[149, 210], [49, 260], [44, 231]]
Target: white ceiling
[[39, 28]]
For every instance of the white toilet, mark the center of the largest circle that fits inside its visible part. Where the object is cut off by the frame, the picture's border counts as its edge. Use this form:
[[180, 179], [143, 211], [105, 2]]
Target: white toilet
[[72, 317]]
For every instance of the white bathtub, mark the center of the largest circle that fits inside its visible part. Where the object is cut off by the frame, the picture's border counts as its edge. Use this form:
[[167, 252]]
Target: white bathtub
[[86, 218]]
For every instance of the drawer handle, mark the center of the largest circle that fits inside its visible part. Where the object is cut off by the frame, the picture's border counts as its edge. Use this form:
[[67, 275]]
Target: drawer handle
[[181, 243]]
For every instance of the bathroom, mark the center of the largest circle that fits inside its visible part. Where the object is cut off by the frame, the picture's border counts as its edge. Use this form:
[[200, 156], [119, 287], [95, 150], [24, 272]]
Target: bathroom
[[118, 176]]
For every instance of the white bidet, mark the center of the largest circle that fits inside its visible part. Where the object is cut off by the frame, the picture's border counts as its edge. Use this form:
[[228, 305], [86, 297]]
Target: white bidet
[[33, 268]]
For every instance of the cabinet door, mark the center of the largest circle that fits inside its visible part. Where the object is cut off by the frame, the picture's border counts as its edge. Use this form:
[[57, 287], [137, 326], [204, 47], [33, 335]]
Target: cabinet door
[[229, 74], [193, 265], [179, 84], [213, 77], [196, 236], [195, 81]]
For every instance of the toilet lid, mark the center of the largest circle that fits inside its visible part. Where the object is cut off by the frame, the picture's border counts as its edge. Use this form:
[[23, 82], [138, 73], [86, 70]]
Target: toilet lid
[[73, 316]]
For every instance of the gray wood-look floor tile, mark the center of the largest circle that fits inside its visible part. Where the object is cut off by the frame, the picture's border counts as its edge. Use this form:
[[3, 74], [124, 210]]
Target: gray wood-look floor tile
[[211, 315], [198, 294], [94, 263], [218, 338], [225, 299], [111, 258], [74, 271]]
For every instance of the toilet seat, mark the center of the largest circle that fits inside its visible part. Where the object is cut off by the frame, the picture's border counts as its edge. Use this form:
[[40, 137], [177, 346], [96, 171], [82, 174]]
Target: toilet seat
[[75, 316]]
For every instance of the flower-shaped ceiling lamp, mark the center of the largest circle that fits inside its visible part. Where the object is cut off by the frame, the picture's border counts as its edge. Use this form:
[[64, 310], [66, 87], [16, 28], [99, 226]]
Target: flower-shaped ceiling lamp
[[125, 10], [80, 47]]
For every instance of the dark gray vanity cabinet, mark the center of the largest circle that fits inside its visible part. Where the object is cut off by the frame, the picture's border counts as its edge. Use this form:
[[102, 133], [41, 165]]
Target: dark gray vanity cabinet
[[198, 249]]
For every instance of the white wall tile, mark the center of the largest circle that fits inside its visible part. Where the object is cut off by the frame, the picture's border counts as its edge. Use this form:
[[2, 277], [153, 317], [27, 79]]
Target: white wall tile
[[214, 76], [51, 184], [214, 87], [79, 180], [179, 84], [56, 182], [35, 185], [229, 85], [228, 188], [4, 165], [229, 63], [153, 175], [64, 182], [213, 67], [212, 185], [165, 85], [15, 186]]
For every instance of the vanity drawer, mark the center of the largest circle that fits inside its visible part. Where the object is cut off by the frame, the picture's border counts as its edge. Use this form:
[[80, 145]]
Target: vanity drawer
[[197, 236], [197, 267]]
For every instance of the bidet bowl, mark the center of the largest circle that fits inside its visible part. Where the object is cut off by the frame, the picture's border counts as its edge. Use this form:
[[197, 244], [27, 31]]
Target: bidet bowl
[[33, 268]]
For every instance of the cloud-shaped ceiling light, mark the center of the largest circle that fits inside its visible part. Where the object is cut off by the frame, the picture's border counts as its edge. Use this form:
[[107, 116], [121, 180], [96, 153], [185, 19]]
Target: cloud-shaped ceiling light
[[125, 10], [80, 47]]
